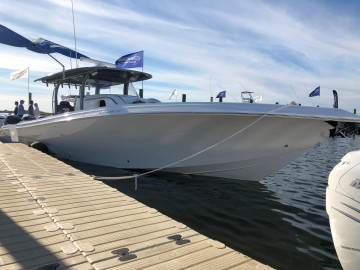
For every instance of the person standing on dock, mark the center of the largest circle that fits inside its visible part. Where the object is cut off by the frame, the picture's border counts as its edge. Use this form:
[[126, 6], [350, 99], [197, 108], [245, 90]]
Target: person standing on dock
[[16, 108], [37, 110], [31, 108], [21, 109]]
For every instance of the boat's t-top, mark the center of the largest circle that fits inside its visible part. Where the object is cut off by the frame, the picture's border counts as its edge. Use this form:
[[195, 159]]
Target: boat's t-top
[[247, 97], [97, 77]]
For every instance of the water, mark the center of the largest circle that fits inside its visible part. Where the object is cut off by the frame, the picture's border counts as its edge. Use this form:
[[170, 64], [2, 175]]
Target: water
[[280, 221]]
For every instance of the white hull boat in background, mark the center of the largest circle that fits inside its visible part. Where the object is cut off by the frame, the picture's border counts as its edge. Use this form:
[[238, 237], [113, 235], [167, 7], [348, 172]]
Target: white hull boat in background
[[243, 141], [343, 208]]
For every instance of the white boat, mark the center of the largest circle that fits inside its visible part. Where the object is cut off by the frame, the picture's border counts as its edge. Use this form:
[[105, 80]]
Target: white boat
[[231, 140], [343, 208]]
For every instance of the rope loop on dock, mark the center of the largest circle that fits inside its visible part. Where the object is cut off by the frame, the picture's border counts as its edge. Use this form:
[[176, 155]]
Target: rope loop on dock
[[136, 176]]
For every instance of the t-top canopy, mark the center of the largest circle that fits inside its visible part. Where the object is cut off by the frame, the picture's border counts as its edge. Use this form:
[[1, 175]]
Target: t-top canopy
[[97, 76]]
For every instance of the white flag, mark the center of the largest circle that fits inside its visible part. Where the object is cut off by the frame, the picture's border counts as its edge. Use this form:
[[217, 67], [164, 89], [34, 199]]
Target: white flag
[[24, 73], [174, 93], [258, 99]]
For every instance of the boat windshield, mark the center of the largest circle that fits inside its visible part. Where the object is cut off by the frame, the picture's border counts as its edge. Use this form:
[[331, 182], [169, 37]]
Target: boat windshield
[[118, 89], [132, 90]]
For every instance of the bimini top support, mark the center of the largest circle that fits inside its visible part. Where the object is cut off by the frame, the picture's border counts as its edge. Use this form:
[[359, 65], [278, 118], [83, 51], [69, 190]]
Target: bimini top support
[[55, 98], [82, 92]]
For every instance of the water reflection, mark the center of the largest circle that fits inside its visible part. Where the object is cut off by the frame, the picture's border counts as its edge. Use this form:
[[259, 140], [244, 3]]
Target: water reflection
[[280, 221]]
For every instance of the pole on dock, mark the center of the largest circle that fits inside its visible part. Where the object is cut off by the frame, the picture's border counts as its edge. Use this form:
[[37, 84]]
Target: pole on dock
[[354, 111], [220, 99], [141, 93], [211, 99], [183, 97]]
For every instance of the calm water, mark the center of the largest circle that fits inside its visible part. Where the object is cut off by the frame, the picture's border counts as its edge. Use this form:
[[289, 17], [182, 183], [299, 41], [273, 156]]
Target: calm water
[[280, 221]]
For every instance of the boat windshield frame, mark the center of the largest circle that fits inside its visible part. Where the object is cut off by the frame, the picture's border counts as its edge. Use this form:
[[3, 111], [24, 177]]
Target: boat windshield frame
[[247, 97]]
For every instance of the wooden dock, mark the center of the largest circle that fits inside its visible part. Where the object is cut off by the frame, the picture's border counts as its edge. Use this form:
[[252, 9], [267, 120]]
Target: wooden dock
[[53, 216]]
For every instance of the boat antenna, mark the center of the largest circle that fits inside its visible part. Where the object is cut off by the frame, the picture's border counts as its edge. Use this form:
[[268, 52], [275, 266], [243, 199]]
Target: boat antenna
[[243, 86], [72, 9], [211, 95], [295, 94]]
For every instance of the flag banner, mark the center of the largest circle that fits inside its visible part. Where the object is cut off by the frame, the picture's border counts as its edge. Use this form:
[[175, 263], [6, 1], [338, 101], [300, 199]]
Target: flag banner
[[24, 73], [131, 60], [105, 87], [316, 92], [97, 62], [174, 93], [222, 94], [335, 99], [40, 45], [11, 38]]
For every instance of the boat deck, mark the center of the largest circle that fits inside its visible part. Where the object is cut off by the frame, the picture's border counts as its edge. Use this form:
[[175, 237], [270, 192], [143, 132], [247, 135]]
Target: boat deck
[[53, 216]]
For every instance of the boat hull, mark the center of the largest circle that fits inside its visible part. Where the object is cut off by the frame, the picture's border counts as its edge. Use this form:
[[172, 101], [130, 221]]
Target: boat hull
[[343, 208], [148, 141], [344, 224]]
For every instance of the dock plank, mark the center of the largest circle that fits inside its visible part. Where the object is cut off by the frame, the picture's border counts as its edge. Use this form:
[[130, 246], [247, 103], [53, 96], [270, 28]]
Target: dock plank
[[51, 212]]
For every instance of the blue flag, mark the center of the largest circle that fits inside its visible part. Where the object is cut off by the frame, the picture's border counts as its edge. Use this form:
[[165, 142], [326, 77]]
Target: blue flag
[[316, 92], [9, 37], [222, 94], [131, 60], [40, 45]]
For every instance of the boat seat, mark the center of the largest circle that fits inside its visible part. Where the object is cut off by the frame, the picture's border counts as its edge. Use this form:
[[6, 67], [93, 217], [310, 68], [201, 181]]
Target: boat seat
[[28, 118], [64, 106], [12, 119]]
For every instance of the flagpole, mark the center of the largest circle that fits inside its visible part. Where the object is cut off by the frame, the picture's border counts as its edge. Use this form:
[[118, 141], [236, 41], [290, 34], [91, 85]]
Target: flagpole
[[72, 9], [211, 96], [28, 84], [142, 69]]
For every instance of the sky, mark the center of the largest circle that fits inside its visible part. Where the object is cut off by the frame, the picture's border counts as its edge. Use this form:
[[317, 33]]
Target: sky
[[280, 49]]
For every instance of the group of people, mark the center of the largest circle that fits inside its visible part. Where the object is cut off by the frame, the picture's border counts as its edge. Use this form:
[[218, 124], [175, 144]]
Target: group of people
[[20, 110]]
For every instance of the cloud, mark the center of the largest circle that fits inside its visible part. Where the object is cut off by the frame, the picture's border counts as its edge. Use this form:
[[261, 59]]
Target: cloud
[[268, 46]]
